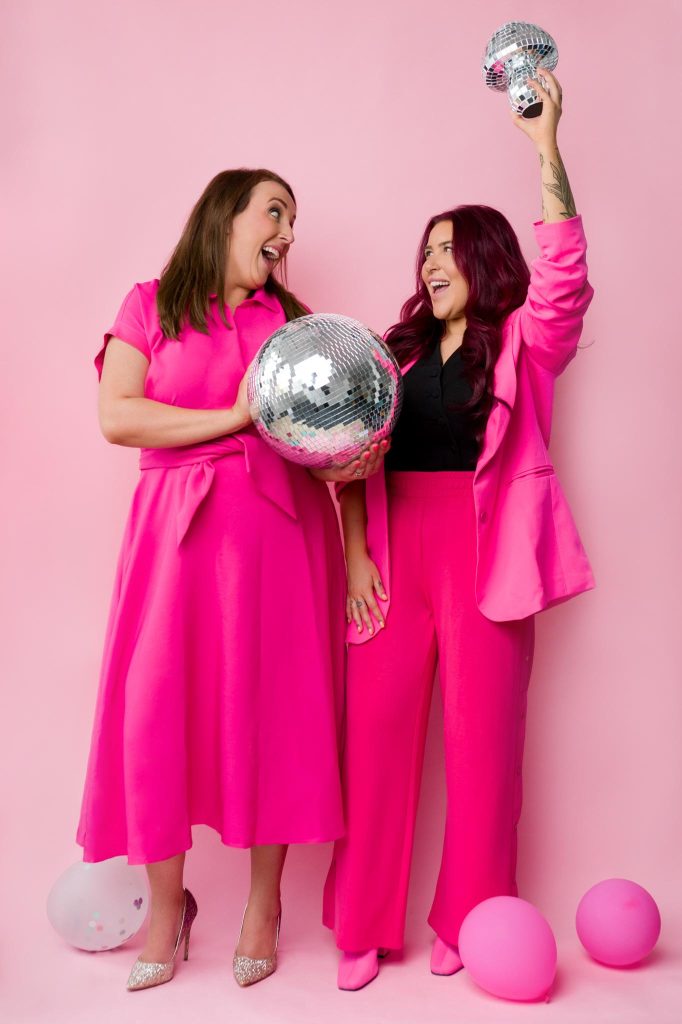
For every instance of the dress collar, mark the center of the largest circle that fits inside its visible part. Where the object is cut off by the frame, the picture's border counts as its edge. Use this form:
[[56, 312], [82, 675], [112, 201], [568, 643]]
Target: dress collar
[[265, 298], [261, 296]]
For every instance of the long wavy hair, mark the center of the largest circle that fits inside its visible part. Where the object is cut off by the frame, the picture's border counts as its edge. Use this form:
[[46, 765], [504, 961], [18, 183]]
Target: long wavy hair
[[488, 255], [196, 269]]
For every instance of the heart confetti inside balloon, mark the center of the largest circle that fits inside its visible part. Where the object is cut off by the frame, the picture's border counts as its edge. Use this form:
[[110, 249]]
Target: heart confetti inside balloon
[[99, 906], [322, 388]]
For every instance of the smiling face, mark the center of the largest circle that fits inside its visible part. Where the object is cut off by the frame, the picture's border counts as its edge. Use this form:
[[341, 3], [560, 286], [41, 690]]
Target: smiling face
[[446, 286], [259, 238]]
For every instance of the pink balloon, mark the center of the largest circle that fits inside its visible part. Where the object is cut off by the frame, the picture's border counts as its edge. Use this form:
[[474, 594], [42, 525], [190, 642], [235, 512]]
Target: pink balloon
[[618, 922], [509, 948]]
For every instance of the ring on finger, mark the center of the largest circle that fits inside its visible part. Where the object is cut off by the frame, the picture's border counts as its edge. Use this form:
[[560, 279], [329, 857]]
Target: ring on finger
[[359, 603]]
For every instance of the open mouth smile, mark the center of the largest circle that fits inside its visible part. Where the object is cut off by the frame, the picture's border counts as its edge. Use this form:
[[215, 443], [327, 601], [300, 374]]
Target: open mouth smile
[[271, 254]]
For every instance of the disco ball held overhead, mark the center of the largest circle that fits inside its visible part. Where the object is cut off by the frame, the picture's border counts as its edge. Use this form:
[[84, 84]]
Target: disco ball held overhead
[[322, 388], [514, 54]]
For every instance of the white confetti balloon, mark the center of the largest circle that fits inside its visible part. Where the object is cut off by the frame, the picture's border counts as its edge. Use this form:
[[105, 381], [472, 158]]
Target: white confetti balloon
[[99, 906]]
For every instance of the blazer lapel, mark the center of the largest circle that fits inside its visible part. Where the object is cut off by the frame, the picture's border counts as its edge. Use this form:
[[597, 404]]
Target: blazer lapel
[[504, 384]]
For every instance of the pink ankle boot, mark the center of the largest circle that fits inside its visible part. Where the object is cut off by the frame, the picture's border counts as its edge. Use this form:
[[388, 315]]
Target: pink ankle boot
[[357, 970], [444, 958]]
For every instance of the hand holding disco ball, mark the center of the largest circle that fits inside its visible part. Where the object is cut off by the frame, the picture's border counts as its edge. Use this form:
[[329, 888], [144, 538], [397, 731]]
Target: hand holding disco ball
[[513, 55], [322, 389]]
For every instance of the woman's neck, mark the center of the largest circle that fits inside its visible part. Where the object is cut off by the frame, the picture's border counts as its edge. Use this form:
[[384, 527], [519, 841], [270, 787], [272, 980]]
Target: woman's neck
[[235, 295], [453, 330]]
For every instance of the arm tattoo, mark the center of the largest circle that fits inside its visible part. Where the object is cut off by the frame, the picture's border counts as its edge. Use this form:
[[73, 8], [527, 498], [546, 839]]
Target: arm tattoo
[[561, 188]]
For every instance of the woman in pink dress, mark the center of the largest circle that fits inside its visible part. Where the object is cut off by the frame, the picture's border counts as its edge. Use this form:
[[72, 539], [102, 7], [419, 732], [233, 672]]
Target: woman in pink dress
[[468, 534], [220, 697]]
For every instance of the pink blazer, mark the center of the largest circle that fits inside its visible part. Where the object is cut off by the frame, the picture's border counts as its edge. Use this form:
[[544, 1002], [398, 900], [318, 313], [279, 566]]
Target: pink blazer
[[529, 553]]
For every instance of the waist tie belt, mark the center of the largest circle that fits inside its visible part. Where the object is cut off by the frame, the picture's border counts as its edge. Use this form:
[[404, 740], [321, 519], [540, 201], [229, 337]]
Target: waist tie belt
[[267, 470]]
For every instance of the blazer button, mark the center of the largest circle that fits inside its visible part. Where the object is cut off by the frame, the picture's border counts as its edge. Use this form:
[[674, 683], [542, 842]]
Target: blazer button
[[483, 517]]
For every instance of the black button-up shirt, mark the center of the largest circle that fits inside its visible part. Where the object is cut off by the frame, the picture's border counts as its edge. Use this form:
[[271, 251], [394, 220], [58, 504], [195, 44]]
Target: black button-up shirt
[[432, 434]]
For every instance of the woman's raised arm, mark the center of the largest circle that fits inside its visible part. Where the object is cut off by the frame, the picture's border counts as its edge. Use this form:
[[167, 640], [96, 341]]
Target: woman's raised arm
[[557, 199], [559, 293]]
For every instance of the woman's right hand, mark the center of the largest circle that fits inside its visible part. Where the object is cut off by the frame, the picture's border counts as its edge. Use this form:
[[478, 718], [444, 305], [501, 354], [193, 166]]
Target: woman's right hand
[[240, 409], [364, 587]]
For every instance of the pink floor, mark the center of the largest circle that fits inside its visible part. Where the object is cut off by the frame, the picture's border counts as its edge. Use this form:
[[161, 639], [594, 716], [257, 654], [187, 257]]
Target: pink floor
[[43, 980]]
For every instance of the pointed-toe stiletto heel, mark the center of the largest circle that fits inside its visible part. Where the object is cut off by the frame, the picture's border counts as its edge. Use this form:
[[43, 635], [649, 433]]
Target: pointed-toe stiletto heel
[[445, 959], [248, 970], [357, 969], [147, 975]]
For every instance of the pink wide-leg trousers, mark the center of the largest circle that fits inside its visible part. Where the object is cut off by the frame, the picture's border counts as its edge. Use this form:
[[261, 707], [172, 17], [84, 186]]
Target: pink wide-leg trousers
[[484, 669]]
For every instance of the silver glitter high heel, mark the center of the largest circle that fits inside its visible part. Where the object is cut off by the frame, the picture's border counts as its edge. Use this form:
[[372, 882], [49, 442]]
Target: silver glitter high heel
[[146, 975], [248, 970]]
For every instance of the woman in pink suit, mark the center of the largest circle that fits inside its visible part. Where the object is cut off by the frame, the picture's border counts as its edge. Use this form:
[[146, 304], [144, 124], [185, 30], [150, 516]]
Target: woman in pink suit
[[219, 703], [467, 534]]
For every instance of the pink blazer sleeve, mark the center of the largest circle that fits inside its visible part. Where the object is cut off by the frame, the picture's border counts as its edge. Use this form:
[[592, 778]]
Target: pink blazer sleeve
[[559, 293]]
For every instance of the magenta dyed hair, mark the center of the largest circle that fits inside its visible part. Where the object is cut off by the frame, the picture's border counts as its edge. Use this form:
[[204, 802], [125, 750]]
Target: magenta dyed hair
[[488, 255]]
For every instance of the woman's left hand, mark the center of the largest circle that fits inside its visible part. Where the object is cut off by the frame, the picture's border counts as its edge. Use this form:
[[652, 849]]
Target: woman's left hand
[[368, 463], [542, 130]]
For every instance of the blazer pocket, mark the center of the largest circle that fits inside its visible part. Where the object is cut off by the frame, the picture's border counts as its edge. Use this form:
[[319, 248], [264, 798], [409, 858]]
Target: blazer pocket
[[535, 471]]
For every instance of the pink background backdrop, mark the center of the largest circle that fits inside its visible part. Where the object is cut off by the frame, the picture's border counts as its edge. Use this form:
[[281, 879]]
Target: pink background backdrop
[[117, 114]]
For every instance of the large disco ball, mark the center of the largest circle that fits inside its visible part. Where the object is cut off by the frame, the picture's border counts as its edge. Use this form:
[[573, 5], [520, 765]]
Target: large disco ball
[[322, 388], [99, 906]]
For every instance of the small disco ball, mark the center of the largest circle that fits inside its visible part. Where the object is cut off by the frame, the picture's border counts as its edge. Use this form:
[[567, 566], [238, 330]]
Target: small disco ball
[[322, 388], [515, 53]]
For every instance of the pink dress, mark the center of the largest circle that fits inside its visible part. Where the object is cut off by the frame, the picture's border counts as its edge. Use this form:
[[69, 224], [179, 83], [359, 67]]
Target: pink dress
[[221, 692]]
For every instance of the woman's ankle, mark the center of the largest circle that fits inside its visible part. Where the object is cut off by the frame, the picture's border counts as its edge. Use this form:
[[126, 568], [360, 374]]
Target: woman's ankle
[[265, 904]]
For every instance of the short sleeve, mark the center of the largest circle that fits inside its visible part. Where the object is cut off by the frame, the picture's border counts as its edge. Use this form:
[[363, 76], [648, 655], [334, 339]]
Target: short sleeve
[[129, 325]]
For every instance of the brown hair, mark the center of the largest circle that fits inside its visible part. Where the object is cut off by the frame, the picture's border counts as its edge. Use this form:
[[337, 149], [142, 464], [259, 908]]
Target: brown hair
[[196, 270]]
